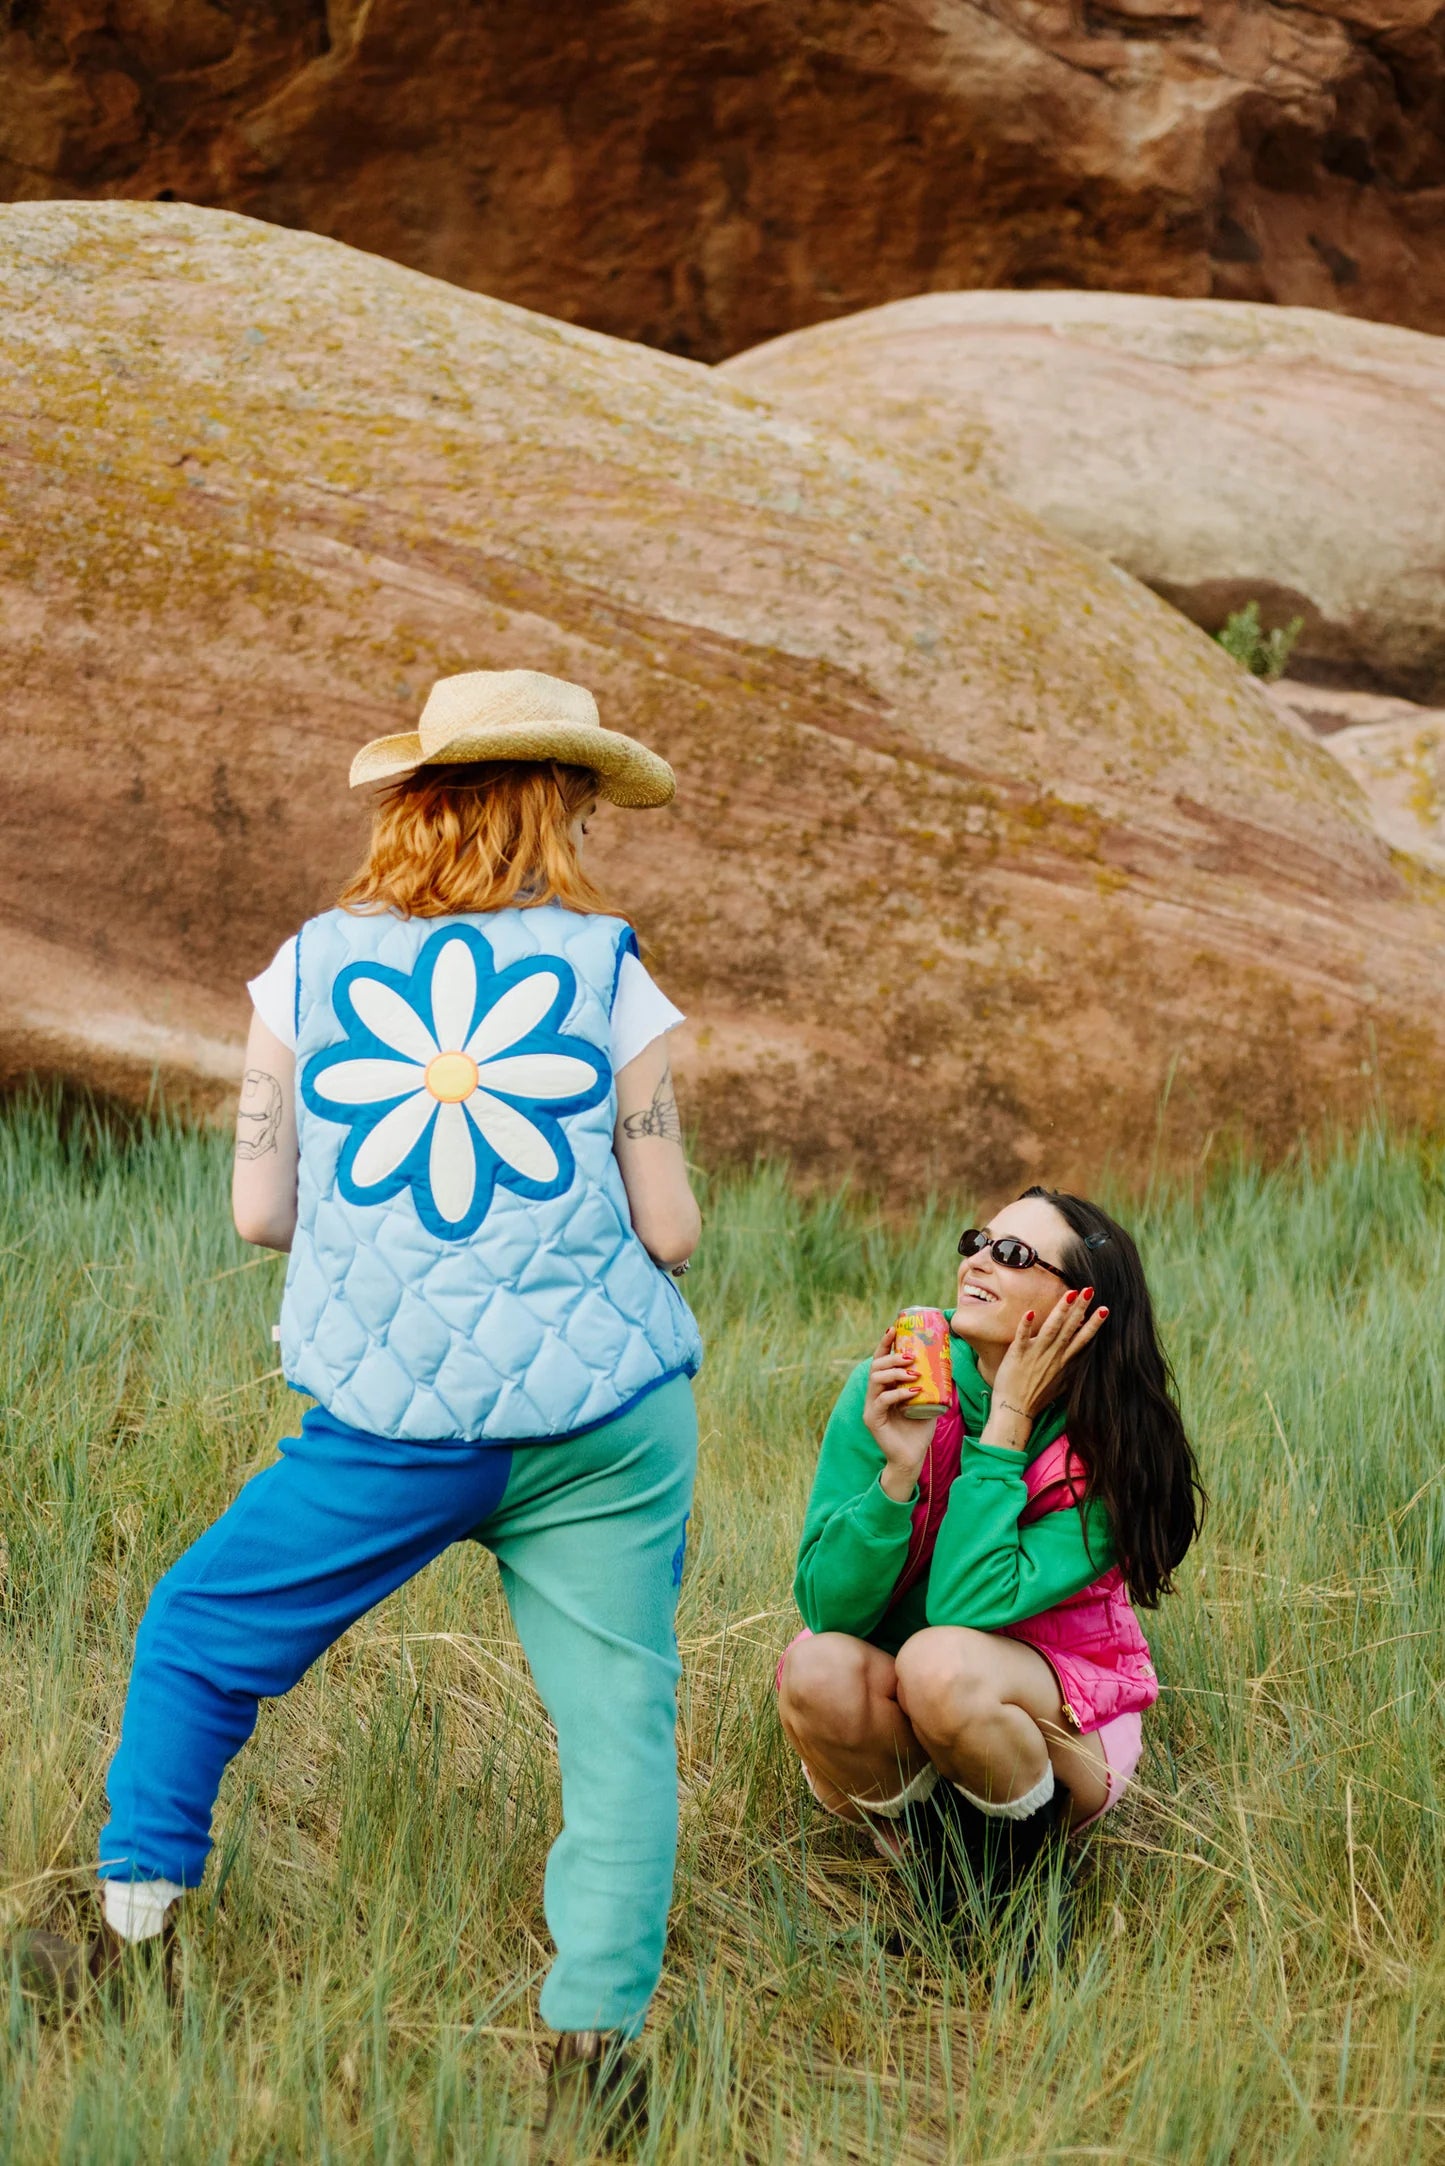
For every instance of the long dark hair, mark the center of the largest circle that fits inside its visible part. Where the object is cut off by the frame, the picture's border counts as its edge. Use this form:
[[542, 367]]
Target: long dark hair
[[1123, 1414]]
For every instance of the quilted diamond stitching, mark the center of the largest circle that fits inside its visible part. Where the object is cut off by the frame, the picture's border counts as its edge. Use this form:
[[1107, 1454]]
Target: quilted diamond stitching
[[550, 1318]]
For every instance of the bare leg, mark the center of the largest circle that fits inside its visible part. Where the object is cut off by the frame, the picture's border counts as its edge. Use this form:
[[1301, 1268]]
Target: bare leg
[[838, 1702], [988, 1712]]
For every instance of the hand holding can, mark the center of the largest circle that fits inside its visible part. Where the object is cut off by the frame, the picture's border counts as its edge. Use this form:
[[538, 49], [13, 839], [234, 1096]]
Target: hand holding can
[[922, 1337], [902, 1435]]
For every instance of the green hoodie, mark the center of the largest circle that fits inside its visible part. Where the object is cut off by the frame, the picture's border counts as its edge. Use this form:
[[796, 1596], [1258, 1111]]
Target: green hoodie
[[986, 1570]]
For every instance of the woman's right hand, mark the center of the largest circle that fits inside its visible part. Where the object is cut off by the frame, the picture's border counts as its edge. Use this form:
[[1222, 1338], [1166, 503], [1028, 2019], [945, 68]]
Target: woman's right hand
[[892, 1382]]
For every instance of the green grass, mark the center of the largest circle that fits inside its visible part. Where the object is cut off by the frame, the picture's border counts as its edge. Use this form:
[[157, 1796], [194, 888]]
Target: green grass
[[1259, 1973]]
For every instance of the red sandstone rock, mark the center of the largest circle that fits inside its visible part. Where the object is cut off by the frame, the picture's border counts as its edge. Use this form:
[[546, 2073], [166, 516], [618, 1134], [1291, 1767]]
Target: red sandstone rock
[[1220, 452], [1395, 751], [703, 177], [977, 842]]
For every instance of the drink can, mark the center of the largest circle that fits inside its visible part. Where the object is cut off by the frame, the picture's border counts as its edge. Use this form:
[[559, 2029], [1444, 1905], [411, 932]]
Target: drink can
[[923, 1336]]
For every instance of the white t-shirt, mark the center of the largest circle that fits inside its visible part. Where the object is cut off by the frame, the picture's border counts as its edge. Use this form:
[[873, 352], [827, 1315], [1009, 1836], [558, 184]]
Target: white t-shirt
[[640, 1013]]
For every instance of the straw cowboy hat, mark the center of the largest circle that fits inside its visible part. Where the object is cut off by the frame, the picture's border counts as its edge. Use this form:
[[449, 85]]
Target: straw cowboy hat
[[518, 714]]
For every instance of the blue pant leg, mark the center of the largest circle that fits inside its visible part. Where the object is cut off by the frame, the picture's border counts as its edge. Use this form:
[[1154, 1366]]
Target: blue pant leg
[[590, 1541], [309, 1545]]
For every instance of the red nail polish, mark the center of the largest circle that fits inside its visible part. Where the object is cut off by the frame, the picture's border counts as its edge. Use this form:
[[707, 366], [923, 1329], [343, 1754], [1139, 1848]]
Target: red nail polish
[[1071, 1297], [1101, 1314], [1088, 1293]]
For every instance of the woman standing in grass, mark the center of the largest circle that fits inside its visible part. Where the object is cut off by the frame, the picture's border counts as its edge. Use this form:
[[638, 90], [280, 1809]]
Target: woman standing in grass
[[458, 1117], [967, 1582]]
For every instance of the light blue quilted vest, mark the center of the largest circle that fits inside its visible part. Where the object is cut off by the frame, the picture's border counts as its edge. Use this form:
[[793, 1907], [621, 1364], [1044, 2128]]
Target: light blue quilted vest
[[464, 1264]]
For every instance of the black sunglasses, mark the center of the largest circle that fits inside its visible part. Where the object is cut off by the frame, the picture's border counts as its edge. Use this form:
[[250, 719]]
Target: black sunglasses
[[1013, 1254]]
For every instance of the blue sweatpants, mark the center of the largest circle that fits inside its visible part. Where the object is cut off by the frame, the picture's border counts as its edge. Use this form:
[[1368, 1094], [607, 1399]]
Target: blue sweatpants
[[588, 1532]]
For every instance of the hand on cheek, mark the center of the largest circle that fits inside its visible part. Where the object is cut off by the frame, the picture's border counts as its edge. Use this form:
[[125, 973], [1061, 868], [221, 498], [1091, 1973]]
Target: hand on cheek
[[1032, 1373]]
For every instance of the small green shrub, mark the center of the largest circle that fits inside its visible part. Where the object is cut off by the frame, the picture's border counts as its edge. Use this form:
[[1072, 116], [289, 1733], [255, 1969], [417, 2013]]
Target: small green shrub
[[1263, 654]]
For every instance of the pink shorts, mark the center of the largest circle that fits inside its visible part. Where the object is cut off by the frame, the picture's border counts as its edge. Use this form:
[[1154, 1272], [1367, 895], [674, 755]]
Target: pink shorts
[[1121, 1740]]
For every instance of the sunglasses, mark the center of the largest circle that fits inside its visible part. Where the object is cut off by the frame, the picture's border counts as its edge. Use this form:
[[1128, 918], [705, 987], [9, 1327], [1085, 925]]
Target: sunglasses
[[1008, 1250]]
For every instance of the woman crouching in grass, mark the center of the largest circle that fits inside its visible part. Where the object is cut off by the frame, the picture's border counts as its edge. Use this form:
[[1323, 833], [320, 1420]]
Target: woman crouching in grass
[[969, 1583]]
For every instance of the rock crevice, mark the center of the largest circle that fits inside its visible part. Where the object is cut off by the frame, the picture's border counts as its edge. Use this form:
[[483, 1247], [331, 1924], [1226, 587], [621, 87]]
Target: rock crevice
[[703, 178], [977, 844]]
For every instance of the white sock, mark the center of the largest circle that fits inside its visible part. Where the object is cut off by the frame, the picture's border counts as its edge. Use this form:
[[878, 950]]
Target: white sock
[[1014, 1808], [136, 1909], [912, 1793]]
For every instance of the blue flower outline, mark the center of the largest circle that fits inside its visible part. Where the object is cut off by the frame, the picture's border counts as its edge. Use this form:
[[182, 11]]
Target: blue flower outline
[[491, 1169]]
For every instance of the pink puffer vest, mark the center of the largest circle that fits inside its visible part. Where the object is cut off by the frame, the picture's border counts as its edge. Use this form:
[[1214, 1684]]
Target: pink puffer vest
[[1092, 1642]]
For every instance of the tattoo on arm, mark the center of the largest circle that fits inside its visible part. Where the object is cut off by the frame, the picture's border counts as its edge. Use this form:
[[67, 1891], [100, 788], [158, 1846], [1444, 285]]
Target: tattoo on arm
[[258, 1123], [658, 1119]]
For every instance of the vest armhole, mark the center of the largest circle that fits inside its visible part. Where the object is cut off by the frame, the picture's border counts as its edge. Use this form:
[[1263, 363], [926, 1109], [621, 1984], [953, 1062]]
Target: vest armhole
[[1059, 1496], [297, 1003], [626, 946], [1064, 1488]]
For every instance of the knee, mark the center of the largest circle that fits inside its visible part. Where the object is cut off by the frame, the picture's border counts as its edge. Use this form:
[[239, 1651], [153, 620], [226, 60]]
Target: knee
[[944, 1682], [825, 1689], [156, 1632], [190, 1640]]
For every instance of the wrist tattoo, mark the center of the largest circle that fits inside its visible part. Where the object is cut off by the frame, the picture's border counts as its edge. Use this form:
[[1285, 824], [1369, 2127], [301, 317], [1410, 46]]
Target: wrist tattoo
[[258, 1122], [1009, 1408], [658, 1119]]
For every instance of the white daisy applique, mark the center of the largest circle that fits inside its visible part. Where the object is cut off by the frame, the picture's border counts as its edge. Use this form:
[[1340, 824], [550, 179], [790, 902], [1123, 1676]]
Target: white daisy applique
[[451, 1078]]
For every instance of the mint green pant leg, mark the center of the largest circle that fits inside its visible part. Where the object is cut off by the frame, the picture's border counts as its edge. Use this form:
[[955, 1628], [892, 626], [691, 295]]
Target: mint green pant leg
[[590, 1542]]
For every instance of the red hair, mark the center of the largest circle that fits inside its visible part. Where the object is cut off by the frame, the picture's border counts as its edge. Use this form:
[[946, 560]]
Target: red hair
[[448, 840]]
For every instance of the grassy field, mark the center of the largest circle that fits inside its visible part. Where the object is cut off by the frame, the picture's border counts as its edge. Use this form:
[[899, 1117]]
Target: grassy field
[[1260, 1971]]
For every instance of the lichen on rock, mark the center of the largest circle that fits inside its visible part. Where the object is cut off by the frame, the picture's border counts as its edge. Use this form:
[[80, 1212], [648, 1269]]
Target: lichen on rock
[[950, 908], [1222, 452]]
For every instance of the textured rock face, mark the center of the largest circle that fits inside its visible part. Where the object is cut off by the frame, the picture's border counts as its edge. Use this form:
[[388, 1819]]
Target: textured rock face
[[976, 841], [704, 177], [1220, 452], [1394, 749]]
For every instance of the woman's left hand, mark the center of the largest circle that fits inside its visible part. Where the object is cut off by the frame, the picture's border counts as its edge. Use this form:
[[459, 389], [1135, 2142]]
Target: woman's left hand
[[1032, 1370]]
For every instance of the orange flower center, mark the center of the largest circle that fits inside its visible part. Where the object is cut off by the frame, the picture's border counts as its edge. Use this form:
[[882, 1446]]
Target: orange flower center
[[451, 1077]]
